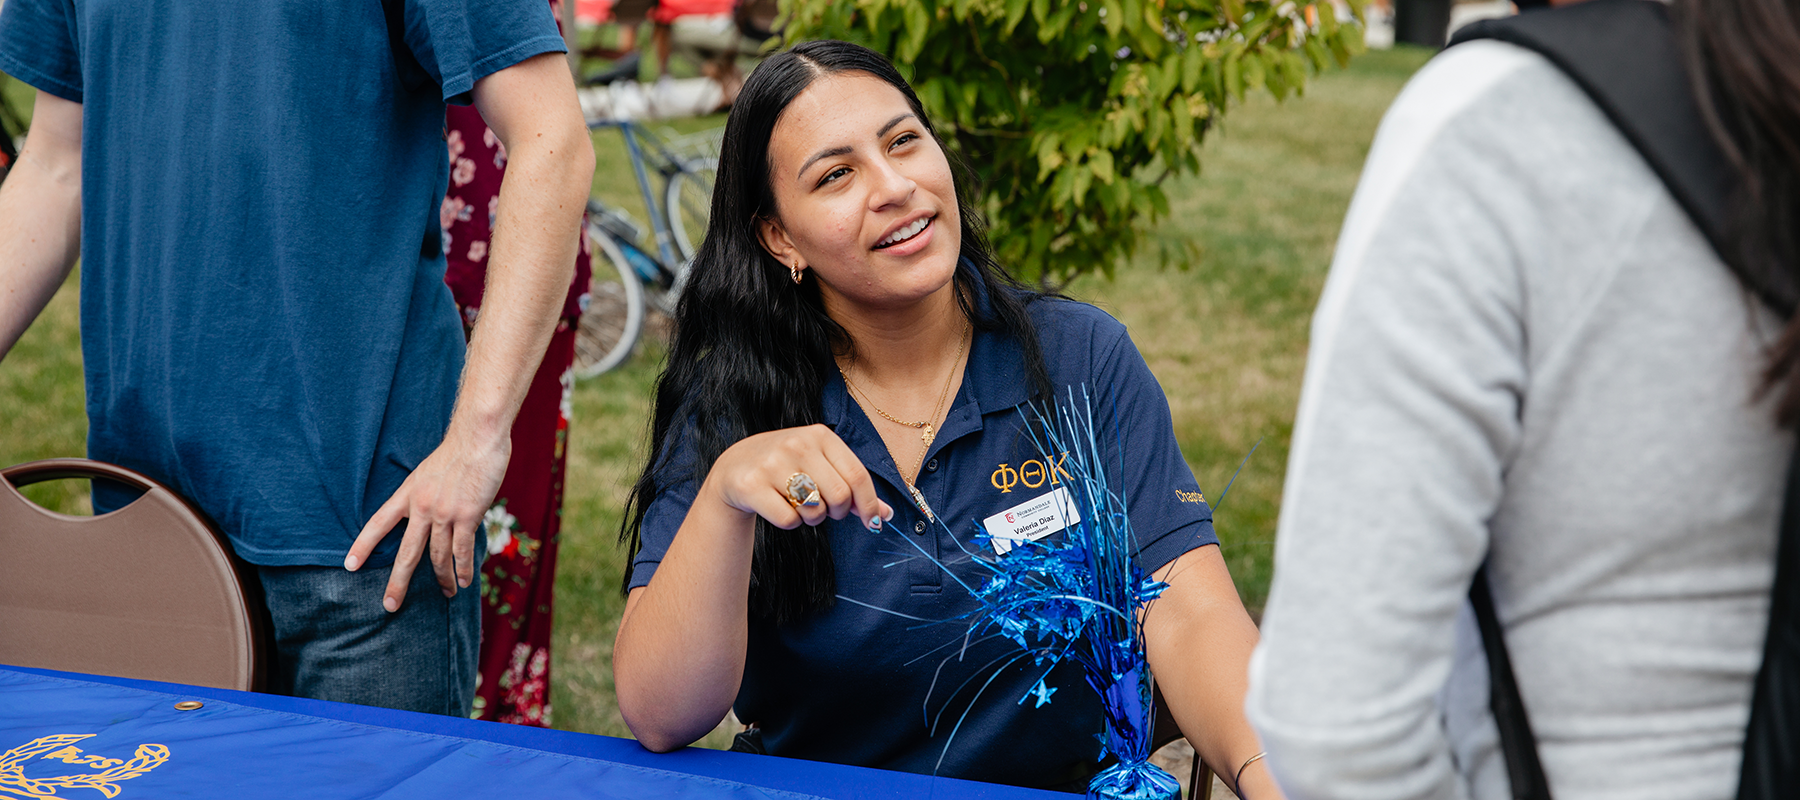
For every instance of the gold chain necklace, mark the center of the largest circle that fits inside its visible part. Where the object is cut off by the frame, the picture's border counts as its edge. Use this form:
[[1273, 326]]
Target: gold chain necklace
[[928, 433]]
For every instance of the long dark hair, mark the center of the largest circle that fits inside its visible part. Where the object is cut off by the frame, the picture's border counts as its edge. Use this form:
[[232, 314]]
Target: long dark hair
[[1744, 57], [752, 352]]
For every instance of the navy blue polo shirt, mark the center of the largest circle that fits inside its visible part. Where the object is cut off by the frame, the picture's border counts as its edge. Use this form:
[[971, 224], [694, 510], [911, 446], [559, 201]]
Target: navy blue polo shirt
[[264, 321], [852, 685]]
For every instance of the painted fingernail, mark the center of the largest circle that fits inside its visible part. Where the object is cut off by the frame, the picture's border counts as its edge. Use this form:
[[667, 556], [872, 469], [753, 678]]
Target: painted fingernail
[[875, 522], [351, 563], [390, 604]]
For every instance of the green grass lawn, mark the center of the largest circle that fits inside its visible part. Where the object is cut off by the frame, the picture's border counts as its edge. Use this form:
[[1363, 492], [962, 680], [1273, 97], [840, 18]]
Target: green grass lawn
[[1225, 336]]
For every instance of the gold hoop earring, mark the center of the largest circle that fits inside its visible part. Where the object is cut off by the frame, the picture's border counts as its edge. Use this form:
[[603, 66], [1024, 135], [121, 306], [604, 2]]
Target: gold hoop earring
[[794, 271]]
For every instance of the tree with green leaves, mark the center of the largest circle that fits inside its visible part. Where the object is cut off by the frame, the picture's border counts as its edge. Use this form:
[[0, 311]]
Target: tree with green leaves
[[1072, 114]]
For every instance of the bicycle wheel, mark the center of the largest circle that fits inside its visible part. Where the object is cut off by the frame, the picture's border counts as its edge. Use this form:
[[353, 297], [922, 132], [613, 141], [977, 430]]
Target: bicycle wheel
[[614, 316], [689, 201]]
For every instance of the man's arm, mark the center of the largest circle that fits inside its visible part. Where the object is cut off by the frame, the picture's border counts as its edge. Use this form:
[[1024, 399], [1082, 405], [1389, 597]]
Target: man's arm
[[40, 216], [531, 106]]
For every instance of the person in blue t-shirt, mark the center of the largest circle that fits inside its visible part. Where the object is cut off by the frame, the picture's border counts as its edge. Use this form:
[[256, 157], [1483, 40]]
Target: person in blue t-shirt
[[846, 328], [253, 189]]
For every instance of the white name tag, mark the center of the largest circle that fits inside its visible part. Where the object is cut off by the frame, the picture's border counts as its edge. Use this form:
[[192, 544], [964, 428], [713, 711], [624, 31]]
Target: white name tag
[[1031, 520]]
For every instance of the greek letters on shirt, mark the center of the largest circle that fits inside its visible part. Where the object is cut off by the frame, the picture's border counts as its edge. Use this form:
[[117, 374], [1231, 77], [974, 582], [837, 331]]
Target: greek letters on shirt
[[1031, 474]]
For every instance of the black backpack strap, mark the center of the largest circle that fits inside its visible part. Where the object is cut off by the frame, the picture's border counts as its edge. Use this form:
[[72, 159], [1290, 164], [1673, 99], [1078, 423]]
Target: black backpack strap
[[1771, 767], [1624, 56], [1517, 743]]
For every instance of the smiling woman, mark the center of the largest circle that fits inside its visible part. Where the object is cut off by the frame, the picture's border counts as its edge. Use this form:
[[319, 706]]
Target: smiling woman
[[869, 187], [848, 353]]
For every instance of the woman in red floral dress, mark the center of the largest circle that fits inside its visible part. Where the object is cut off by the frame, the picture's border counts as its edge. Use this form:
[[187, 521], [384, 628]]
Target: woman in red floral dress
[[519, 575]]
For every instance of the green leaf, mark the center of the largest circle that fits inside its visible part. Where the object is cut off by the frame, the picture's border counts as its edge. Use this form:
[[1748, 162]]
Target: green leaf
[[1101, 162], [1079, 138], [1122, 82], [1049, 156], [1315, 50], [1181, 118], [1015, 13], [1062, 190], [1158, 200], [931, 95], [1167, 78], [1114, 20], [1040, 11], [1131, 12], [1116, 198], [918, 26], [1117, 126], [1255, 71], [1058, 21], [1082, 180], [1347, 43]]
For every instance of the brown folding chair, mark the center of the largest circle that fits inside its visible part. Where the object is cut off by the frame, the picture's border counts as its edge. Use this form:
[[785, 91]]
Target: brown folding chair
[[150, 591], [1163, 731]]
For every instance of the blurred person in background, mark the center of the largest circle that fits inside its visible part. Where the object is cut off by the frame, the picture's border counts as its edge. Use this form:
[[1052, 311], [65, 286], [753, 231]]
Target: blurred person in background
[[1528, 354]]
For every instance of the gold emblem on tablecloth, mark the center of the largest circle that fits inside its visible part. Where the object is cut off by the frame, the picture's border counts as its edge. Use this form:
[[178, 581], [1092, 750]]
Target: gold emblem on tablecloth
[[62, 748]]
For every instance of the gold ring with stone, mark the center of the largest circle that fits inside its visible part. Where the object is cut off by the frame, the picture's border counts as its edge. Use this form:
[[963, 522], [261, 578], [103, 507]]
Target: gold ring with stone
[[802, 490]]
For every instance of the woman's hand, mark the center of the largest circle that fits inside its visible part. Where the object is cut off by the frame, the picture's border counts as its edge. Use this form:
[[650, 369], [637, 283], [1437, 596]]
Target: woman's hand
[[679, 657], [752, 478]]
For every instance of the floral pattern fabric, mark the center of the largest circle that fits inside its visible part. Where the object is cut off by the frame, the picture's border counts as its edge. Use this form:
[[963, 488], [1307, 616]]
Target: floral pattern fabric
[[519, 576]]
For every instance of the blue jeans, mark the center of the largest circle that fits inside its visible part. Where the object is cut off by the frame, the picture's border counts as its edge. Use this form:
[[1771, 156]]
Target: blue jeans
[[334, 641]]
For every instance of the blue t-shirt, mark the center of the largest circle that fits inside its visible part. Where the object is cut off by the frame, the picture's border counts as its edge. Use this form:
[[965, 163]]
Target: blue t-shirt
[[849, 684], [264, 320]]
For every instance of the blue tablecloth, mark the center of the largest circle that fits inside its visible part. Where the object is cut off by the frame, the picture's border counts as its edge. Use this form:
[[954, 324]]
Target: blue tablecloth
[[64, 735]]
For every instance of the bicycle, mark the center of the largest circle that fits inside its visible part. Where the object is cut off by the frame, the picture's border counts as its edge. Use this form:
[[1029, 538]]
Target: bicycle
[[644, 275]]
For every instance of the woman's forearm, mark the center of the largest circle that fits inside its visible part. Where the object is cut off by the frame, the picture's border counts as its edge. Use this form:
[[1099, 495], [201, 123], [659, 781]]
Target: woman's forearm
[[1199, 640], [679, 656]]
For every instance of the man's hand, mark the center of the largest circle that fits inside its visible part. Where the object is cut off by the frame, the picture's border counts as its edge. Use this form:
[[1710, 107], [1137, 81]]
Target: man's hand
[[443, 502], [531, 107]]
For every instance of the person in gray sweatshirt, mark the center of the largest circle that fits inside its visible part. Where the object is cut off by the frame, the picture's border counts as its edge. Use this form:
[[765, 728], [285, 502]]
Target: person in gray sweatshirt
[[1526, 353]]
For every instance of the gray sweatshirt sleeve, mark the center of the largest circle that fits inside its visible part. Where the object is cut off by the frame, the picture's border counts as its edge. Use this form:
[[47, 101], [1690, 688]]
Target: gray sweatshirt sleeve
[[1410, 407]]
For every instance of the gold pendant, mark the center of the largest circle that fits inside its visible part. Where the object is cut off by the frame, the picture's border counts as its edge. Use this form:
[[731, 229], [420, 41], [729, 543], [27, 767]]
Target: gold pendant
[[919, 497], [928, 435]]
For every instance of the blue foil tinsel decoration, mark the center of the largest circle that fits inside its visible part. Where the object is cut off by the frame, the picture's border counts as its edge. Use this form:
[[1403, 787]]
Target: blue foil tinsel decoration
[[1080, 596]]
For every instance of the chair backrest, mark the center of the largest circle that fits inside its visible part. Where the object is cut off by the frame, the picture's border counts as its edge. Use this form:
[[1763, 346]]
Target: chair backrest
[[150, 591]]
